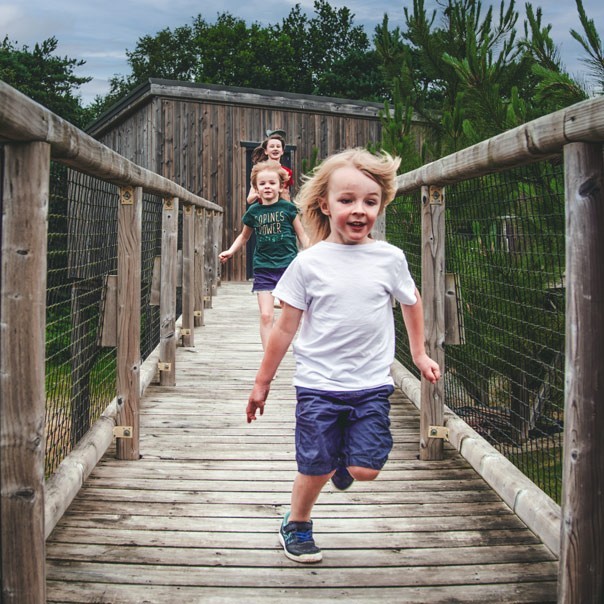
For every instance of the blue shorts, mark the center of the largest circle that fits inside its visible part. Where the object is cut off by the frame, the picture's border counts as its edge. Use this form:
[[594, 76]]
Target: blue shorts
[[266, 279], [348, 427]]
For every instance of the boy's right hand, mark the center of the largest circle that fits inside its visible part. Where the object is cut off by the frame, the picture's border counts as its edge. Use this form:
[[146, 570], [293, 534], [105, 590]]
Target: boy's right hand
[[224, 256], [256, 402]]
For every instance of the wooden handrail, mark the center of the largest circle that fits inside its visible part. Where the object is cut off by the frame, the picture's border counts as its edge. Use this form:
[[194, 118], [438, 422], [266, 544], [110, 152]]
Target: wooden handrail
[[24, 120], [534, 141]]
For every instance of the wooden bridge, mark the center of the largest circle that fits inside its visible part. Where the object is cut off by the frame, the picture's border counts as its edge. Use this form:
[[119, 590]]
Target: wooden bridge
[[196, 519]]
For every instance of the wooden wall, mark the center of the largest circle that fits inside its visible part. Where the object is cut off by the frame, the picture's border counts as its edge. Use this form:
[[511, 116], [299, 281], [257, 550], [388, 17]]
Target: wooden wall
[[197, 141]]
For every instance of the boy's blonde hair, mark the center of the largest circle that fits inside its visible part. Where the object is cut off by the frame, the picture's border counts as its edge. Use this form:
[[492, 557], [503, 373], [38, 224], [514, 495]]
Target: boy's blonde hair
[[380, 168], [272, 166]]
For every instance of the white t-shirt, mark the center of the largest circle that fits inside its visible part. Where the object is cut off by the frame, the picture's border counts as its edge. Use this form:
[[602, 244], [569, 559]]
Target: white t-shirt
[[346, 341]]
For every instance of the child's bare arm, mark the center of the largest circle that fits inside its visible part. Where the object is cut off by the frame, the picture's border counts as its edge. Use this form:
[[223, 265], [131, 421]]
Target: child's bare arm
[[279, 341], [300, 232], [252, 195], [239, 242], [413, 316]]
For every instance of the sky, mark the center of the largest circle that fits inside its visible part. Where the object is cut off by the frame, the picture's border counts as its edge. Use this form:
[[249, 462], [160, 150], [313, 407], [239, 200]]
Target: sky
[[100, 31]]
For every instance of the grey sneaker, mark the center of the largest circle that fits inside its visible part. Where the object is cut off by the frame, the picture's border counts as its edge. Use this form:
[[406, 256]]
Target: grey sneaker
[[297, 541]]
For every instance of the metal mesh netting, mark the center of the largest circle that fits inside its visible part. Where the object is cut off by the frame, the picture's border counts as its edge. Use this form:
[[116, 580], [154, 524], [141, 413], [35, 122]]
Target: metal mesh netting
[[505, 249], [82, 252]]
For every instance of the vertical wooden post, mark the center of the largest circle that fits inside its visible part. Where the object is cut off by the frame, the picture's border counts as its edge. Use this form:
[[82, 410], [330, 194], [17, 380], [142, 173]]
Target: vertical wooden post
[[25, 170], [433, 297], [167, 294], [216, 247], [199, 265], [208, 259], [581, 575], [129, 238], [188, 280]]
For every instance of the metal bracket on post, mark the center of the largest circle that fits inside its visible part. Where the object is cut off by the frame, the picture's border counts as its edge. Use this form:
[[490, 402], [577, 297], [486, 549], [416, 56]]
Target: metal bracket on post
[[436, 196], [127, 196], [185, 331], [438, 432], [122, 431], [164, 366]]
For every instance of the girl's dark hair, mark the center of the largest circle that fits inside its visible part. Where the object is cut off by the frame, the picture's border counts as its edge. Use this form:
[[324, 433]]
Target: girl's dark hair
[[259, 154], [277, 137]]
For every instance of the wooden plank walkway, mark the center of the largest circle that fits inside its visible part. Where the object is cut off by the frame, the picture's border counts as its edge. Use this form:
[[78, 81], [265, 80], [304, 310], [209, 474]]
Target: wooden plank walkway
[[196, 519]]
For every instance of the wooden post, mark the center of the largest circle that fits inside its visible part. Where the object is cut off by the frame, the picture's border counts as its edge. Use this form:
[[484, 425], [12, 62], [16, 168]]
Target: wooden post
[[208, 260], [581, 575], [216, 248], [167, 292], [129, 263], [24, 194], [433, 297], [188, 280], [199, 265]]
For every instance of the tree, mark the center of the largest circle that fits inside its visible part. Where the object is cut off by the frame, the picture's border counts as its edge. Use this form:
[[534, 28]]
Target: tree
[[48, 79], [553, 87], [592, 44], [324, 55]]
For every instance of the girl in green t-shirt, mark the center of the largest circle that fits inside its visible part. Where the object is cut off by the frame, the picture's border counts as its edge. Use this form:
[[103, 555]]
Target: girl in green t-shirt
[[277, 226]]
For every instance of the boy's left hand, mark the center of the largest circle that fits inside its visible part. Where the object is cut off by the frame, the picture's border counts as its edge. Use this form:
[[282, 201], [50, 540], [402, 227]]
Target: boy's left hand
[[429, 368]]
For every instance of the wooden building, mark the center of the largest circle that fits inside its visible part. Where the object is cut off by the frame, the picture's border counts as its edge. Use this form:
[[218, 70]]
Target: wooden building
[[202, 135]]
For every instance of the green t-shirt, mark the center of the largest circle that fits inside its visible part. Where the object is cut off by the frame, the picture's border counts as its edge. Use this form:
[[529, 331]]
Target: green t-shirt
[[276, 240]]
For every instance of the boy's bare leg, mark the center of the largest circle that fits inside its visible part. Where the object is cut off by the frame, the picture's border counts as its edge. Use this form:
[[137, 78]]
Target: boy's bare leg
[[266, 304], [305, 492]]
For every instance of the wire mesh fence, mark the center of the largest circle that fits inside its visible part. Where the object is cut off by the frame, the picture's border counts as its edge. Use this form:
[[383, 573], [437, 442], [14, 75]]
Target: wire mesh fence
[[505, 252], [82, 252]]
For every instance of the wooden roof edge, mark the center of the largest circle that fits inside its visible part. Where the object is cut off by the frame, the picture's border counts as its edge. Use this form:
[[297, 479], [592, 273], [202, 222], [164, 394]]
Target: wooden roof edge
[[230, 94]]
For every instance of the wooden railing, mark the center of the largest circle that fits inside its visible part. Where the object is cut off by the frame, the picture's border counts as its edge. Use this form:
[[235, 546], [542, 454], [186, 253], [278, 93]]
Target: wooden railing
[[33, 136], [576, 531]]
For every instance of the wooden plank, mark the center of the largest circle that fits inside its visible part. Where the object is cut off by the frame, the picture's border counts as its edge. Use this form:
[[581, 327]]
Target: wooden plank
[[167, 294], [202, 556], [433, 295], [129, 262], [134, 594], [188, 276], [582, 552], [199, 231], [263, 541], [24, 192], [288, 576]]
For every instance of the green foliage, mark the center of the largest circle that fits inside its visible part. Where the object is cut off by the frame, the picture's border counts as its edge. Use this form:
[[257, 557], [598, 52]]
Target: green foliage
[[308, 165], [592, 45], [463, 75], [44, 77]]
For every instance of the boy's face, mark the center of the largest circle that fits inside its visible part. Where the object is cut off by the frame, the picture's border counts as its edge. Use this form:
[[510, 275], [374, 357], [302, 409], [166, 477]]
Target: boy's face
[[274, 149], [268, 186], [353, 203]]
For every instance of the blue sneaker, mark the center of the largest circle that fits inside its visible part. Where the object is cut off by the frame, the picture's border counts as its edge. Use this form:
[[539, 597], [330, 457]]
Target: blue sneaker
[[297, 541], [342, 478]]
